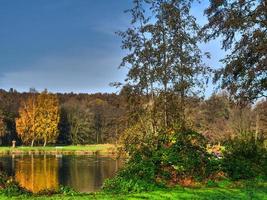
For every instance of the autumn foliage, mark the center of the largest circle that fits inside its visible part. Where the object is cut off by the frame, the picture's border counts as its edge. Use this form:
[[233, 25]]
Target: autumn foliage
[[38, 119]]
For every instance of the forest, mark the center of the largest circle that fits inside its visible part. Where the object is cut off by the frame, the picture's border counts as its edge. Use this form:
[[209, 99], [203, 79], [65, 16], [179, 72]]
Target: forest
[[102, 118], [60, 119]]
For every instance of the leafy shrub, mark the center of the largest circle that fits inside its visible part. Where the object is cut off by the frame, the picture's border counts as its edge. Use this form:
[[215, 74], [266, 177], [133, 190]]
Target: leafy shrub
[[138, 175], [9, 187], [120, 184], [3, 179], [12, 188], [162, 158], [68, 191], [245, 159], [187, 156], [212, 183]]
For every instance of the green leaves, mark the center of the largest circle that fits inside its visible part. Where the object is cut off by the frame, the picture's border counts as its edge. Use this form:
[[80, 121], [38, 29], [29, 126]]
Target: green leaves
[[243, 159]]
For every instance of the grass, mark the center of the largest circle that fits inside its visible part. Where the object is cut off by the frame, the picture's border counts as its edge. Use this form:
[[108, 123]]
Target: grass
[[79, 149], [205, 193]]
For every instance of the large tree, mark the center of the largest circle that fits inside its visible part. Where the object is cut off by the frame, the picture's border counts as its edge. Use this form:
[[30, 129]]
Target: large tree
[[47, 117], [242, 26], [140, 59], [38, 118], [9, 104], [164, 58], [79, 122], [26, 122]]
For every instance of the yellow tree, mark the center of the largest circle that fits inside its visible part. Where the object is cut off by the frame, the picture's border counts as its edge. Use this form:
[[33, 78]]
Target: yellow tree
[[47, 117], [38, 119], [26, 122]]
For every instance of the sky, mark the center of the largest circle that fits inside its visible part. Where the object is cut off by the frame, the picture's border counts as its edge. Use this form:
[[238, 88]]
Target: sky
[[69, 45]]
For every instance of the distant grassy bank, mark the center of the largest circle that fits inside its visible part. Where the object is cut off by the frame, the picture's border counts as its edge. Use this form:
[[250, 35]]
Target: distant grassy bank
[[79, 149], [215, 193]]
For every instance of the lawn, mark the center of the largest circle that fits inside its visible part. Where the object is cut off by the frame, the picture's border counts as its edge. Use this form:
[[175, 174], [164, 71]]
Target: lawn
[[215, 193], [79, 149]]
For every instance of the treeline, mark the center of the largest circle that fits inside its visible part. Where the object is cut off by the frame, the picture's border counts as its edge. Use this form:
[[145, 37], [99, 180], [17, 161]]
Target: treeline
[[40, 118], [220, 118]]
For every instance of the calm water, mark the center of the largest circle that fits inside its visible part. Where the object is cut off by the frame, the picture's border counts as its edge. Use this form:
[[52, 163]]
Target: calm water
[[39, 172]]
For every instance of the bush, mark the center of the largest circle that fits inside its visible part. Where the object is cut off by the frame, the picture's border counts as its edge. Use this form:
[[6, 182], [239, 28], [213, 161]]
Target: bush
[[138, 175], [212, 183], [186, 156], [68, 191], [120, 184], [245, 159], [13, 189], [9, 187], [3, 179], [161, 159]]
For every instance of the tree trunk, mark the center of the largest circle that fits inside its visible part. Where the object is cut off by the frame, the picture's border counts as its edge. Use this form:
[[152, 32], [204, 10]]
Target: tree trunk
[[182, 90], [45, 143], [116, 135], [32, 143], [165, 107], [165, 82], [183, 127], [257, 128]]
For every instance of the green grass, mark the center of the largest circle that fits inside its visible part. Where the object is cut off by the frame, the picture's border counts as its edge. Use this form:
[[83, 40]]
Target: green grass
[[178, 193], [102, 148]]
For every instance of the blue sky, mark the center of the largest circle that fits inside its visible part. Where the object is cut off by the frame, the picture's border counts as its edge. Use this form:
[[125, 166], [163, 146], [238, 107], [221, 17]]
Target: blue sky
[[68, 45]]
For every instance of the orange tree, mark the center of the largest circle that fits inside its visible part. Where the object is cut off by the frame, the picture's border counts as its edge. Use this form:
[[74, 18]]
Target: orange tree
[[38, 119], [26, 122]]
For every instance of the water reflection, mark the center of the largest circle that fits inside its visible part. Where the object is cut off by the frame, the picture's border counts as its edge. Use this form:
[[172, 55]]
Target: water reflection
[[87, 173], [37, 173], [83, 173]]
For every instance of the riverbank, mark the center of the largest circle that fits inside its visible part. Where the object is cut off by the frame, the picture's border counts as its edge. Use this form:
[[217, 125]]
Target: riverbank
[[100, 149], [174, 193]]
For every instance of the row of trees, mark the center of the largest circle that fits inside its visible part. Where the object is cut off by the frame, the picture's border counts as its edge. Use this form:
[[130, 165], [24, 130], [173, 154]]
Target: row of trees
[[42, 118], [219, 118], [100, 118], [94, 120]]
